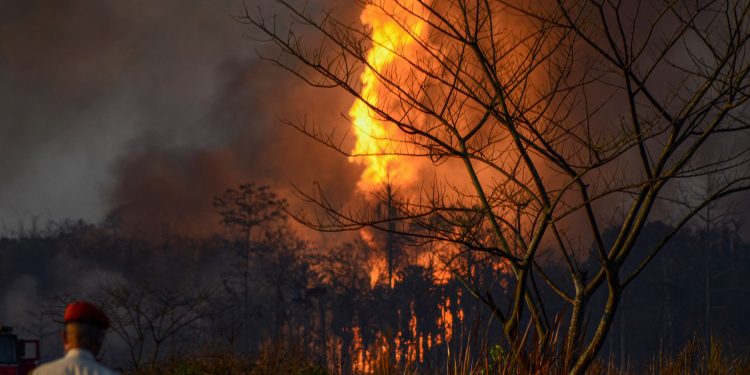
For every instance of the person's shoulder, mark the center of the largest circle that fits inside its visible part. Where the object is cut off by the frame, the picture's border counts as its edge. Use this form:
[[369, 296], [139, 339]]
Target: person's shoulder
[[51, 367], [65, 365]]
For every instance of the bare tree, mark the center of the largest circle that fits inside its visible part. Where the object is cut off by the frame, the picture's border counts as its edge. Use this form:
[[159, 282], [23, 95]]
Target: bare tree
[[554, 112], [149, 318]]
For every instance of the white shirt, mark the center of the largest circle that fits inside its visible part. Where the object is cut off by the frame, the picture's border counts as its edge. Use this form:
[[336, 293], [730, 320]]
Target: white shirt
[[75, 362]]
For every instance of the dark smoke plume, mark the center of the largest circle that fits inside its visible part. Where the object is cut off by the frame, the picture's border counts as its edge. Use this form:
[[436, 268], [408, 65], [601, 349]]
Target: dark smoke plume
[[146, 110]]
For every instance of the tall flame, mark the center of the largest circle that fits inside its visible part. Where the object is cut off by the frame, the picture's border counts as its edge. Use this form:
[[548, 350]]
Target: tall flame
[[374, 141]]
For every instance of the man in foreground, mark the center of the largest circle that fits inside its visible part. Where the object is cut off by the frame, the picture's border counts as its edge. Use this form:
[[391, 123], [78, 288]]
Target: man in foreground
[[83, 336]]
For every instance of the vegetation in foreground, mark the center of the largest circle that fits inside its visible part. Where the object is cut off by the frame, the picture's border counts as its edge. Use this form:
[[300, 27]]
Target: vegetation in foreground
[[696, 357]]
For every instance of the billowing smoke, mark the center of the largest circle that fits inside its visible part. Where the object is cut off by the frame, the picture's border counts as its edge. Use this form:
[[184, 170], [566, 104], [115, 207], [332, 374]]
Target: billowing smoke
[[147, 110], [160, 184]]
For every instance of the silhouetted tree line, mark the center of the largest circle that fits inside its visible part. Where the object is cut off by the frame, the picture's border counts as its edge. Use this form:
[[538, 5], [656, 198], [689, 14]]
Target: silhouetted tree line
[[258, 282]]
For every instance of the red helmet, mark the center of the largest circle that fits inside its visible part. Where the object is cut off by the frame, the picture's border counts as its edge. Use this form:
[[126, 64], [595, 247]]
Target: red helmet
[[84, 312]]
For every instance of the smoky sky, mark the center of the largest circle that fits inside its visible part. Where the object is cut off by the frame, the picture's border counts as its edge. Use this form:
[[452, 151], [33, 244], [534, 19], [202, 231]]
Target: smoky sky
[[144, 111], [147, 110]]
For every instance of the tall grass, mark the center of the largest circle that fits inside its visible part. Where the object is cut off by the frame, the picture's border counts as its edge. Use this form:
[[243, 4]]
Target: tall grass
[[700, 358], [275, 358]]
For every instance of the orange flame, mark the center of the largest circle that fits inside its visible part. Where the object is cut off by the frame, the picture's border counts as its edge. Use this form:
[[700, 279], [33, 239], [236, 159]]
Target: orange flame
[[374, 145]]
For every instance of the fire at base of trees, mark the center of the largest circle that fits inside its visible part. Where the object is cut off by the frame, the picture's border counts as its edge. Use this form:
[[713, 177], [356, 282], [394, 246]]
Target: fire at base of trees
[[258, 290]]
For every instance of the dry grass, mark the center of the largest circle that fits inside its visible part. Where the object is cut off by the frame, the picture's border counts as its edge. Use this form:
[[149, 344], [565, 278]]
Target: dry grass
[[207, 363], [696, 358], [284, 358], [701, 359]]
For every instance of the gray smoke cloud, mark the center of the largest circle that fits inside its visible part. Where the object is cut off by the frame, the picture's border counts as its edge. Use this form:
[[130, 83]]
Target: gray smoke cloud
[[148, 107]]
